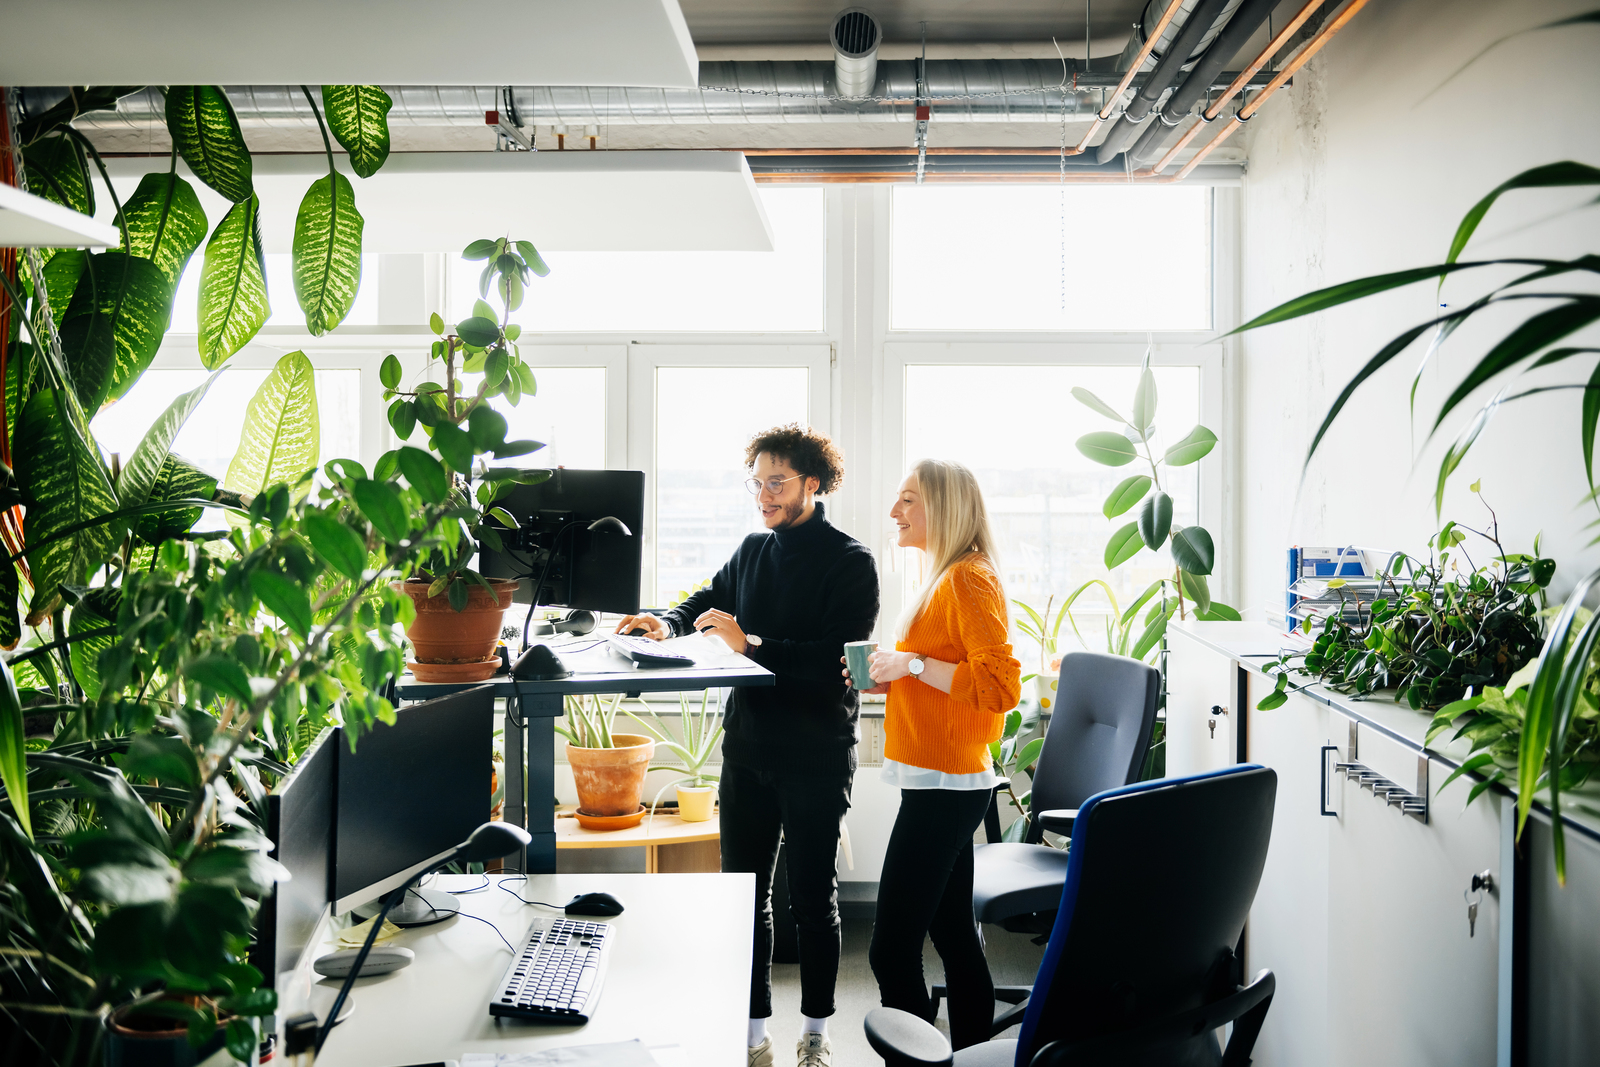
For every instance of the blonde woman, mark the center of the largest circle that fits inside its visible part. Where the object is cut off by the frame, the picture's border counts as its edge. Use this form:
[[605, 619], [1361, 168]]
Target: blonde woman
[[950, 681]]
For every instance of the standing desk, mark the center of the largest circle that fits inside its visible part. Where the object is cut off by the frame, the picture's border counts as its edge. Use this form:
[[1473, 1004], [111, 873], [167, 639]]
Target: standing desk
[[531, 747]]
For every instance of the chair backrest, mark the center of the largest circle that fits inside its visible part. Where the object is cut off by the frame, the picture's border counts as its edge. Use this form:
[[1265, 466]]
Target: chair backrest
[[1159, 883], [1099, 732]]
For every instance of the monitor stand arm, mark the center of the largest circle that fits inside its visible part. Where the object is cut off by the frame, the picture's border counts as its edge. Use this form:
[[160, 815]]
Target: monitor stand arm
[[420, 907]]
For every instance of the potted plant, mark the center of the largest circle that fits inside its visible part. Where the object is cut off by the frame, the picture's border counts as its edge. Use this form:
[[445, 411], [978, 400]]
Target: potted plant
[[608, 768], [695, 742], [156, 1031], [458, 611], [1044, 633]]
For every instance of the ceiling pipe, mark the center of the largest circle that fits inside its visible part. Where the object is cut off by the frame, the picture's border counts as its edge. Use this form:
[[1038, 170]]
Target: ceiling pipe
[[1210, 114], [1104, 114], [1246, 113], [1126, 128], [1241, 26], [855, 37]]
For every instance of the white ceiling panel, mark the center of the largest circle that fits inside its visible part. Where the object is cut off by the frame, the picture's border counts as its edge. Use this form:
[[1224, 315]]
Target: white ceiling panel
[[561, 201], [345, 42]]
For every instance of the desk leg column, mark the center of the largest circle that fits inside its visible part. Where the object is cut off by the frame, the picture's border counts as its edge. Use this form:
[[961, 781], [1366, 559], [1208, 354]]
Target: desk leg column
[[516, 810], [540, 717]]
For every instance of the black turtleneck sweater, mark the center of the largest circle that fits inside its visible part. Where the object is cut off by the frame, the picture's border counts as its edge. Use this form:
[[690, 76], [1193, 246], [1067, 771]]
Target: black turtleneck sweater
[[804, 591]]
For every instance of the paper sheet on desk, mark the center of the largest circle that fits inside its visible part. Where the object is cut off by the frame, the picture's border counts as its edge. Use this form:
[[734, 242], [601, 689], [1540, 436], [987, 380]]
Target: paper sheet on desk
[[617, 1054], [709, 654]]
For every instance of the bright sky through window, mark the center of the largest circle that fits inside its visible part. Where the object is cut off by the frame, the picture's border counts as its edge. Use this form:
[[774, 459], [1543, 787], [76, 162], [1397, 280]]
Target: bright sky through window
[[998, 257]]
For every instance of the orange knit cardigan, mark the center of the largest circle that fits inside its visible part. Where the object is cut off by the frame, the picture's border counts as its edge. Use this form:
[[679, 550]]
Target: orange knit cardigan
[[963, 623]]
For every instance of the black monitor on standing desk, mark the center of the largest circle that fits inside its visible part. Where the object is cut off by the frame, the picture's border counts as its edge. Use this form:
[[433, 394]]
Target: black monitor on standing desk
[[407, 796], [597, 570], [300, 826]]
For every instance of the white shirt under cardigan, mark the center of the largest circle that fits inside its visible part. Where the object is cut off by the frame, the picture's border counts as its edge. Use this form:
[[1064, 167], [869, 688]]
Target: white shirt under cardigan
[[908, 777]]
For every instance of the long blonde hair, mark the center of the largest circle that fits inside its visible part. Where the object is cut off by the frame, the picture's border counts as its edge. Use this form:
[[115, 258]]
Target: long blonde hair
[[958, 525]]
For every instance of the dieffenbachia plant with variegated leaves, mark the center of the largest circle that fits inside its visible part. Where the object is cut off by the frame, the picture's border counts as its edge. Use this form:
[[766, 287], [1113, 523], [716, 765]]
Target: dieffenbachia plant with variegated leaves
[[1193, 550]]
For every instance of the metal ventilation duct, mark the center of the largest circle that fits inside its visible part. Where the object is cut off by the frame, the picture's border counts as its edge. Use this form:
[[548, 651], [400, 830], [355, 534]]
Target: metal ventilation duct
[[1152, 15], [962, 90], [855, 38]]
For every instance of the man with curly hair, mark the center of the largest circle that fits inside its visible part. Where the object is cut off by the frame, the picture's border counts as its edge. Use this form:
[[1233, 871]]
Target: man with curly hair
[[789, 599]]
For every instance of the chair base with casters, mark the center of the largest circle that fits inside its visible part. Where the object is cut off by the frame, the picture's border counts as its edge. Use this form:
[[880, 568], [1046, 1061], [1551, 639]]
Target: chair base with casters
[[903, 1040]]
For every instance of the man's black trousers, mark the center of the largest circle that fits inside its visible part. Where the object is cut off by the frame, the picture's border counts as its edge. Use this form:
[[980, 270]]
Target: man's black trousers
[[926, 891], [805, 809]]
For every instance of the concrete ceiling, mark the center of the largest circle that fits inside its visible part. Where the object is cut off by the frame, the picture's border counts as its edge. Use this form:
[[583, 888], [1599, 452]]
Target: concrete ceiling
[[348, 42], [723, 22]]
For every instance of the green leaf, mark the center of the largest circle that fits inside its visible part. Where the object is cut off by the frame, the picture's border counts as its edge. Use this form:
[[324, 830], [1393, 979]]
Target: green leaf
[[327, 252], [1029, 754], [144, 466], [335, 542], [217, 671], [389, 372], [1192, 448], [1275, 699], [380, 503], [478, 331], [281, 437], [1155, 520], [233, 285], [1196, 589], [1128, 492], [1547, 176], [358, 117], [1458, 451], [424, 474], [530, 256], [1344, 292], [436, 324], [114, 325], [178, 480], [1153, 632], [1526, 340], [494, 370], [206, 131], [1123, 546], [285, 599], [1144, 400], [1193, 551], [13, 766], [1220, 613], [61, 275], [454, 444], [1107, 448], [1090, 400], [1591, 422], [242, 1039], [63, 484], [458, 594], [517, 448], [10, 599], [403, 418], [165, 223], [481, 249], [57, 170], [487, 427]]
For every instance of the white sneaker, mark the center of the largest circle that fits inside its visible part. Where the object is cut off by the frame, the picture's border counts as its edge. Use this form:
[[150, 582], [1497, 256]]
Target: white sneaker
[[814, 1050], [761, 1055]]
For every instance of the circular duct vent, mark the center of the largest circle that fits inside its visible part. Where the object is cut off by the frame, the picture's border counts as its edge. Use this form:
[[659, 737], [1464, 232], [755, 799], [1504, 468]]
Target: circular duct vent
[[855, 34]]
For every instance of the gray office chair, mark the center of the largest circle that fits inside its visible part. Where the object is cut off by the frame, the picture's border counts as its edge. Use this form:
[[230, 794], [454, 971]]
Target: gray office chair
[[1098, 738]]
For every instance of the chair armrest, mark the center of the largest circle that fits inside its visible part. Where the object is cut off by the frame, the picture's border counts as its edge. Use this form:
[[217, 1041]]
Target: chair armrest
[[903, 1040], [1058, 820], [991, 818]]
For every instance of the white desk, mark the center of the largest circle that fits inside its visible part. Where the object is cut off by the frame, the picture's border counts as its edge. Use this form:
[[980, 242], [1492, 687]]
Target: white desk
[[679, 974]]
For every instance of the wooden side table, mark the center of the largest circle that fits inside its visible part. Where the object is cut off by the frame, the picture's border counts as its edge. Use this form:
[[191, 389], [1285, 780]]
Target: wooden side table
[[671, 846]]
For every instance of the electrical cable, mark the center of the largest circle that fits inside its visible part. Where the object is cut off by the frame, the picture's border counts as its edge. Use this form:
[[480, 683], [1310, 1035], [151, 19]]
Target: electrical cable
[[525, 900], [474, 889], [433, 910]]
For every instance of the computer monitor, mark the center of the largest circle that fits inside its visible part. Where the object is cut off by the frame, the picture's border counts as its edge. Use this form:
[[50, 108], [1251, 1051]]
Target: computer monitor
[[300, 825], [409, 794], [597, 570]]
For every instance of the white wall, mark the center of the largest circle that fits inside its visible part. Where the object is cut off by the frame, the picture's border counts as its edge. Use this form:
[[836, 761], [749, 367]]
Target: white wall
[[1366, 164]]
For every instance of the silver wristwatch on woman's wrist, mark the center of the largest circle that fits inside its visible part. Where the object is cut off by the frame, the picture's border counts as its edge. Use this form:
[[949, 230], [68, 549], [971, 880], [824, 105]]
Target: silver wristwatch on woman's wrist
[[915, 666]]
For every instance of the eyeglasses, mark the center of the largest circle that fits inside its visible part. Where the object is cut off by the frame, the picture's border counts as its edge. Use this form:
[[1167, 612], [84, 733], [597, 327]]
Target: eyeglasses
[[773, 486]]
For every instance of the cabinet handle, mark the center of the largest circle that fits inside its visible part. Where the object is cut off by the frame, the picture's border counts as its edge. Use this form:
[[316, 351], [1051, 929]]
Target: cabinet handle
[[1322, 798]]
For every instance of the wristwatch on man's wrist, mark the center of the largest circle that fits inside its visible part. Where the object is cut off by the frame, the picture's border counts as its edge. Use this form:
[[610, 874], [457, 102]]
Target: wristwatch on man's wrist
[[915, 666], [752, 640]]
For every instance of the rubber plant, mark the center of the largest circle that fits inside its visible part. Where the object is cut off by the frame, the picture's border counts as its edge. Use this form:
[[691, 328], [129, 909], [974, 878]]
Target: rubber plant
[[459, 422], [1542, 313]]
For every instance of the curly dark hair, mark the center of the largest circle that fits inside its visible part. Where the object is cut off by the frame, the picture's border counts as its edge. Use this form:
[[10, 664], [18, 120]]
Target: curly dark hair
[[810, 452]]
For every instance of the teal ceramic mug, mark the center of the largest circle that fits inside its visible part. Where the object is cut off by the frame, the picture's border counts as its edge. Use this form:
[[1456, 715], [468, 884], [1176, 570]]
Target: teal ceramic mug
[[855, 658]]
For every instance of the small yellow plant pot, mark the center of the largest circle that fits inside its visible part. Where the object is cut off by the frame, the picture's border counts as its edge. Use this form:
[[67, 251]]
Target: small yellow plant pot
[[695, 802], [1044, 690]]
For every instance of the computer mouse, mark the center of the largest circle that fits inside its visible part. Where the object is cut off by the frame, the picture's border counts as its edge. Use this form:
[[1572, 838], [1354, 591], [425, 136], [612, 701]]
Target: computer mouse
[[638, 631], [594, 904]]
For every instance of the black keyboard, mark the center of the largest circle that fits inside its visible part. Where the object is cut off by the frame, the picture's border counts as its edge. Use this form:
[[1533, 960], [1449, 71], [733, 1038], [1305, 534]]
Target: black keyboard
[[556, 975], [647, 653]]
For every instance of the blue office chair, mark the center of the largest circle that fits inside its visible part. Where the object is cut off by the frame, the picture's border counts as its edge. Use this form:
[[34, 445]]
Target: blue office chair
[[1141, 967]]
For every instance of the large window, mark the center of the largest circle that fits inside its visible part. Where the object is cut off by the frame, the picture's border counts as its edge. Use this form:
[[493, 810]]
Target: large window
[[1014, 426], [595, 292], [704, 418], [1042, 257], [567, 413]]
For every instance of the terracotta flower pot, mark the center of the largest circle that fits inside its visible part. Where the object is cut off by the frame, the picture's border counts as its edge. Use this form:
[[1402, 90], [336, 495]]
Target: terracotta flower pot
[[460, 640], [157, 1041], [611, 780]]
